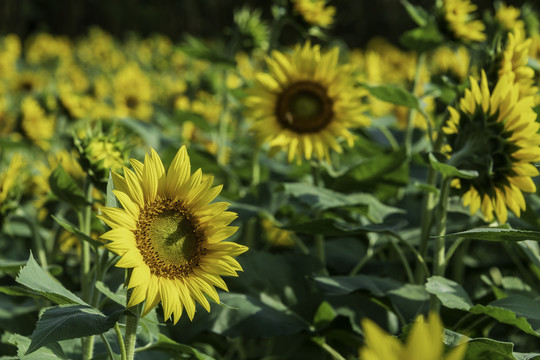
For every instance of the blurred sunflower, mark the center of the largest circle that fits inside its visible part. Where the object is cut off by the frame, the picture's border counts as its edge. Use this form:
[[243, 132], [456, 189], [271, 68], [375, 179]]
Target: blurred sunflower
[[457, 16], [515, 59], [424, 341], [37, 125], [11, 179], [306, 103], [508, 17], [133, 93], [494, 133], [170, 235], [453, 63], [315, 12]]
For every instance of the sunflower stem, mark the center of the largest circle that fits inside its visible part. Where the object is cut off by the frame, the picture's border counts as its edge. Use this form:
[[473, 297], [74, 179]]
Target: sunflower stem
[[319, 239], [413, 112], [120, 340], [439, 256], [87, 281], [256, 168], [131, 332]]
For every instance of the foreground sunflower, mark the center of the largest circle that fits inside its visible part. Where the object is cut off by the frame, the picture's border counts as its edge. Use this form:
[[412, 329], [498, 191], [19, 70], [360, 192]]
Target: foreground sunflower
[[306, 103], [170, 235], [458, 19], [424, 341], [494, 133]]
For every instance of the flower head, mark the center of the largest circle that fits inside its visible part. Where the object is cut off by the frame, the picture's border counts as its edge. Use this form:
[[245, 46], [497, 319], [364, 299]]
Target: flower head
[[170, 236], [424, 342], [315, 12], [457, 15], [305, 104], [495, 134], [515, 60]]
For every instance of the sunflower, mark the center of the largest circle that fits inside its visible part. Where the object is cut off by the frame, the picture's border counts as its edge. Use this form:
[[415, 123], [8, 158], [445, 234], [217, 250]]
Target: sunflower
[[305, 104], [36, 124], [457, 16], [133, 93], [425, 341], [515, 60], [494, 133], [508, 17], [315, 12], [170, 236]]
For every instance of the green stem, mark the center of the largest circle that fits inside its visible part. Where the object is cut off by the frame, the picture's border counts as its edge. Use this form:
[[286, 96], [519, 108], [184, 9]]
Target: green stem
[[319, 239], [439, 256], [120, 340], [107, 346], [412, 112], [363, 261], [87, 281], [419, 257], [406, 265], [131, 332], [256, 167]]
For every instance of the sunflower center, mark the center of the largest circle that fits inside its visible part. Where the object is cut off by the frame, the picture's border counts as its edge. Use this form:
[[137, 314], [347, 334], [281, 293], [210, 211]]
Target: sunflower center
[[304, 107], [169, 238], [132, 102]]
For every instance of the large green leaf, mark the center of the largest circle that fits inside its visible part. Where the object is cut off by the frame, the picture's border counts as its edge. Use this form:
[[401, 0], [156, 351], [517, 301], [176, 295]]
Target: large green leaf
[[74, 230], [37, 279], [331, 227], [393, 94], [341, 285], [65, 188], [518, 310], [451, 294], [449, 170], [65, 322], [51, 351], [319, 198], [166, 344], [489, 349], [497, 234]]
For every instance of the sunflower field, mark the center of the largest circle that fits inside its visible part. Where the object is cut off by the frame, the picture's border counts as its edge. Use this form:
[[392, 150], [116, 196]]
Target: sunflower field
[[274, 193]]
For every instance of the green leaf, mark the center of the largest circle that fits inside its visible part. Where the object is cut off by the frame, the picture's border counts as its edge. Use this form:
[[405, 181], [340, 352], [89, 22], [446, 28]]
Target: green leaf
[[324, 315], [422, 38], [418, 14], [341, 285], [198, 120], [451, 171], [75, 230], [168, 345], [331, 227], [65, 188], [37, 279], [7, 265], [197, 49], [50, 352], [118, 297], [111, 199], [451, 294], [497, 234], [517, 310], [393, 94], [489, 349], [376, 167], [529, 356], [65, 322], [319, 198]]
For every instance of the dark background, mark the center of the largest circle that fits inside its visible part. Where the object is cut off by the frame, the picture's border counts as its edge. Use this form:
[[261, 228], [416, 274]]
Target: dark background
[[356, 20]]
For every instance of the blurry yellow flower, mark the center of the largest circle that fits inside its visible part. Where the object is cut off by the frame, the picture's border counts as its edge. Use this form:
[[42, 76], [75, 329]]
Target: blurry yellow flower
[[98, 49], [133, 93], [457, 14], [515, 60], [315, 12], [27, 82], [11, 178], [508, 17], [73, 77], [276, 236], [424, 342], [38, 126], [44, 47], [10, 50], [7, 120], [495, 134], [453, 63], [305, 104]]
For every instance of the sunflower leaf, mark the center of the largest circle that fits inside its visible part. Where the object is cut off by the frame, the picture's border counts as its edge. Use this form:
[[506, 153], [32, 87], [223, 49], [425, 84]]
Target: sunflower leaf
[[74, 230], [451, 294], [393, 94], [37, 279], [65, 322], [422, 38], [449, 170], [165, 344], [418, 14], [52, 351], [65, 188], [497, 234]]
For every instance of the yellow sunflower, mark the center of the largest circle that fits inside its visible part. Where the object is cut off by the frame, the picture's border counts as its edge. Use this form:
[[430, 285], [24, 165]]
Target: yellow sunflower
[[515, 60], [170, 236], [306, 103], [133, 93], [457, 15], [315, 12], [424, 341], [508, 17], [494, 133], [36, 124]]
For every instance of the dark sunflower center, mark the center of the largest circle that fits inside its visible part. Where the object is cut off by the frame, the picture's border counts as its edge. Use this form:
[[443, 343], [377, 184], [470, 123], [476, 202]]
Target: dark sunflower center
[[27, 86], [304, 107], [132, 102], [169, 238], [482, 144]]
